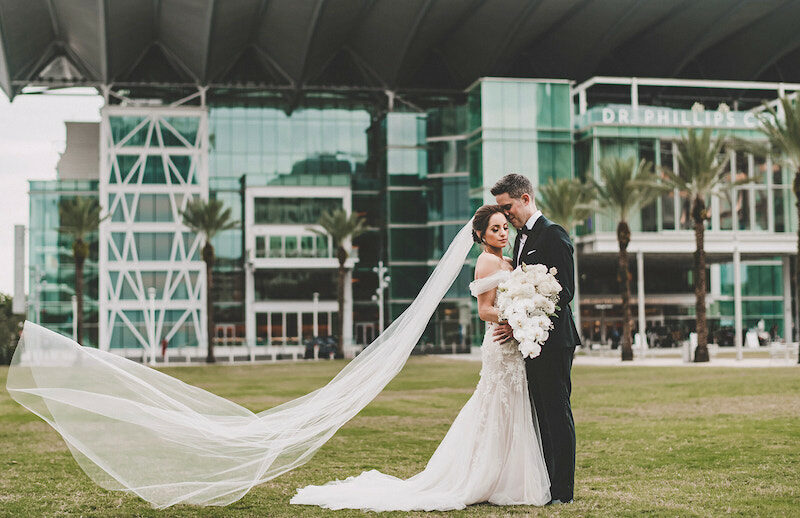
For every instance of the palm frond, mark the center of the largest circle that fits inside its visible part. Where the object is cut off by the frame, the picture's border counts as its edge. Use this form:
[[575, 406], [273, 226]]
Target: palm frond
[[339, 226], [565, 201], [703, 166], [624, 185], [783, 131], [80, 216], [208, 218]]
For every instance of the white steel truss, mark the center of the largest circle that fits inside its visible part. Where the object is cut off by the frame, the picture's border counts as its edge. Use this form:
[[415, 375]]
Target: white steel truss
[[157, 156]]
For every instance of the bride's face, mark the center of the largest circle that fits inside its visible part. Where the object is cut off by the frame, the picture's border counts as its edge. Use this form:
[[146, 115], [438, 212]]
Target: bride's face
[[496, 234]]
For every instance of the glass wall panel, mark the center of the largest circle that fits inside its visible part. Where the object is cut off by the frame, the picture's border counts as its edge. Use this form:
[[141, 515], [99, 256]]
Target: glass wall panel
[[407, 206], [153, 246], [122, 126], [292, 210], [761, 209], [781, 198], [408, 244], [295, 284], [154, 171], [742, 197], [413, 277], [153, 208], [667, 200]]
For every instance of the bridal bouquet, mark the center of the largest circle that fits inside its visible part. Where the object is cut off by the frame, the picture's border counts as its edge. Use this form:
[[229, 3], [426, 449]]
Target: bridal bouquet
[[527, 300]]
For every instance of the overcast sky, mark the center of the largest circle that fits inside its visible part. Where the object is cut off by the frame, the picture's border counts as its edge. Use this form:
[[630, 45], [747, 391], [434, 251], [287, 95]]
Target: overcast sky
[[31, 140]]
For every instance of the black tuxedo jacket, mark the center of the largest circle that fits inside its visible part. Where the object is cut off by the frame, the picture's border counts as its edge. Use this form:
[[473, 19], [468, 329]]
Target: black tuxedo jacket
[[549, 244]]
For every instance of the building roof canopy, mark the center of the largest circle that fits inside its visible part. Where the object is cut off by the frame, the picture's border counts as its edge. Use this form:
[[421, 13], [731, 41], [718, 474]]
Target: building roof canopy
[[408, 45]]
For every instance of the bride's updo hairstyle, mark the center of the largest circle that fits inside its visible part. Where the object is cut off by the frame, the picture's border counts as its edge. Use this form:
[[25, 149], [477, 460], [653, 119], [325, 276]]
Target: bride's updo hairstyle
[[480, 222]]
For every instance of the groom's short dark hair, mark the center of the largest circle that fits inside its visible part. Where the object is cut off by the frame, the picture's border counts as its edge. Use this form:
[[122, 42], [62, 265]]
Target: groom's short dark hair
[[514, 184]]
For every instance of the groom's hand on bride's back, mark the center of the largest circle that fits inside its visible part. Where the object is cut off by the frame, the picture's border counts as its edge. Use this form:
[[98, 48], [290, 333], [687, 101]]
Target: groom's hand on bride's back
[[502, 332]]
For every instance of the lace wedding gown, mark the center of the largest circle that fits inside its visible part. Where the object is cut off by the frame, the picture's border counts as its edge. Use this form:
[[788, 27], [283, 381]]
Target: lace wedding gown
[[492, 452]]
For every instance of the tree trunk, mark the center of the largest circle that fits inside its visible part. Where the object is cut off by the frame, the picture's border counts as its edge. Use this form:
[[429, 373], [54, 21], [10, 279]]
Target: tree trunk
[[341, 253], [789, 339], [208, 257], [699, 216], [79, 252], [624, 238]]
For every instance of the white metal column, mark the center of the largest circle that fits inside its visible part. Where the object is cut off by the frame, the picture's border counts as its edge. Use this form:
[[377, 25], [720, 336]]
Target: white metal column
[[249, 299], [640, 298], [178, 157], [787, 298], [576, 296], [348, 309], [737, 301]]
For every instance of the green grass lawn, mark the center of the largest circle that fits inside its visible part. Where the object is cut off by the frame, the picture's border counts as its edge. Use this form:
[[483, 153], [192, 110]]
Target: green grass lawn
[[677, 441]]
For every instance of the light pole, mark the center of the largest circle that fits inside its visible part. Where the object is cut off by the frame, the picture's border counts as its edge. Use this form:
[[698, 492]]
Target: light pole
[[75, 317], [151, 294], [315, 326], [41, 288], [383, 283]]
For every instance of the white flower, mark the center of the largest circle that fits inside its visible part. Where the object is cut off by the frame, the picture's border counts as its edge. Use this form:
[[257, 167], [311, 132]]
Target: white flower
[[526, 300]]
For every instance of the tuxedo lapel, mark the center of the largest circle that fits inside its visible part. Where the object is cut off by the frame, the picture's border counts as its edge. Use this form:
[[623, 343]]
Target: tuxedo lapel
[[516, 249], [530, 241], [537, 229]]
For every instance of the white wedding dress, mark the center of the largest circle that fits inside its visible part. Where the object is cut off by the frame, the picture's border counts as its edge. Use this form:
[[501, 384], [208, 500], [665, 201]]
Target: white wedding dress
[[492, 452], [138, 430]]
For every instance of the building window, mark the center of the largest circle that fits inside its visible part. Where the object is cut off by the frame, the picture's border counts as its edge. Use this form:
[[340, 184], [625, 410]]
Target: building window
[[295, 284], [288, 211]]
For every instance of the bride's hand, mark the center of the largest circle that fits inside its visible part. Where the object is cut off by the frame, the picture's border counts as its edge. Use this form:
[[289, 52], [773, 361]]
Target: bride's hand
[[502, 332]]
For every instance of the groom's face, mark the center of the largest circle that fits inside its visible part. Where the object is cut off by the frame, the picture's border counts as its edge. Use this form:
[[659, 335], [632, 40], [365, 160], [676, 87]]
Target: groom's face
[[517, 210]]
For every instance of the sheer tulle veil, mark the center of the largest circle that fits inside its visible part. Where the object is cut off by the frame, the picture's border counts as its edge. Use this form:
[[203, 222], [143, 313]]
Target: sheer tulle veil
[[135, 429]]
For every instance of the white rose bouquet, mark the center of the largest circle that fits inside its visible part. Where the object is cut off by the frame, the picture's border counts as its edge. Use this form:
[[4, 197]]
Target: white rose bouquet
[[527, 300]]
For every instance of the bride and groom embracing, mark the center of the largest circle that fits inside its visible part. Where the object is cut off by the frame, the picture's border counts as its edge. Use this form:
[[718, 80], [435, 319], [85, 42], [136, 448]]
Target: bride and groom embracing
[[135, 429], [513, 442]]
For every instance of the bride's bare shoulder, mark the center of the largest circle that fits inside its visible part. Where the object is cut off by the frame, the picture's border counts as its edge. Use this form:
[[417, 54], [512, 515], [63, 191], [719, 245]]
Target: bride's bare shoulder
[[487, 264]]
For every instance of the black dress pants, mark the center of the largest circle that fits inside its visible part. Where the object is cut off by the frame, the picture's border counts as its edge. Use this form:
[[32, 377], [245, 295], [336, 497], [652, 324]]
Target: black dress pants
[[549, 387]]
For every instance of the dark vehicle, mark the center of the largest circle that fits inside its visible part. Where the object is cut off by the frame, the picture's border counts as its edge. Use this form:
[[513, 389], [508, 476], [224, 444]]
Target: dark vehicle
[[725, 336]]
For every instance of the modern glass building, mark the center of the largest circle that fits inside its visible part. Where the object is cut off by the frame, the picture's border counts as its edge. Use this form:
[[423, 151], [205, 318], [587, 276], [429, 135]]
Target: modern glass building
[[416, 176], [51, 274], [405, 113]]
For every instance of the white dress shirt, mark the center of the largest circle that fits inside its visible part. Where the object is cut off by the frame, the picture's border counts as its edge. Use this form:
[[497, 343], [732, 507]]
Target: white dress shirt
[[529, 225]]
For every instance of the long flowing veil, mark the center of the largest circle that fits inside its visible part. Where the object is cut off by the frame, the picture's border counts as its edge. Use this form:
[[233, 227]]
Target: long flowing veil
[[133, 428]]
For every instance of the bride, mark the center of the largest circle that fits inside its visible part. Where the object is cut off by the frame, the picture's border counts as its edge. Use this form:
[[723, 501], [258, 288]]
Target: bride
[[135, 429], [492, 452]]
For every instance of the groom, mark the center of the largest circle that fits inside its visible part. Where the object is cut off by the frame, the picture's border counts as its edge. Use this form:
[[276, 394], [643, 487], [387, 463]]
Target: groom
[[540, 241]]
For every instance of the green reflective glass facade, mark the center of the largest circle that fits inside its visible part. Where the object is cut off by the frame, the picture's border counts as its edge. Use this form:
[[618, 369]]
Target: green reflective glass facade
[[764, 205], [313, 146], [416, 177], [520, 126], [762, 295], [310, 146], [51, 278]]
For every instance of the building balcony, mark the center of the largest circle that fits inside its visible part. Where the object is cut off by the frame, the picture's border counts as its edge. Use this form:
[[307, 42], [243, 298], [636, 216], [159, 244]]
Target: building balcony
[[719, 244], [303, 263]]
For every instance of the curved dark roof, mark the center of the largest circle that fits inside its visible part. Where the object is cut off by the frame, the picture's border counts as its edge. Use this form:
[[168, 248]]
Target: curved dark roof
[[398, 45]]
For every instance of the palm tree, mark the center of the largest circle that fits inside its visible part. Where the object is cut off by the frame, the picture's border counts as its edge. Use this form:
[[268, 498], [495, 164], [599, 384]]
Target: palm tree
[[783, 134], [79, 217], [624, 186], [702, 172], [208, 218], [567, 202], [340, 227]]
